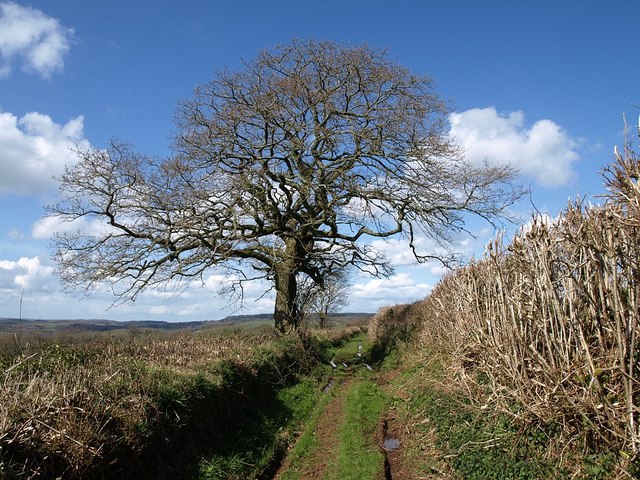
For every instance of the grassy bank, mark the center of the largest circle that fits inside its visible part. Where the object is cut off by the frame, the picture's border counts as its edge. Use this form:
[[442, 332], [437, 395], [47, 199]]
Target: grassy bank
[[183, 407], [456, 428], [454, 437]]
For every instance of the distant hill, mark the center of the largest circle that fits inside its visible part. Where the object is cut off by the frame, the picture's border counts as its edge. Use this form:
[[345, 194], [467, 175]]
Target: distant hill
[[14, 325], [62, 326]]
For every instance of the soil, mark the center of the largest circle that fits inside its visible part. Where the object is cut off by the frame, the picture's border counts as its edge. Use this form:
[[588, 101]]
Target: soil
[[400, 462], [327, 431], [394, 465], [391, 428]]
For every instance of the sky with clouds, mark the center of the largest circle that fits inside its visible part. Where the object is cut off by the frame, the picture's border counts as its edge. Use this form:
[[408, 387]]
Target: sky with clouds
[[539, 85]]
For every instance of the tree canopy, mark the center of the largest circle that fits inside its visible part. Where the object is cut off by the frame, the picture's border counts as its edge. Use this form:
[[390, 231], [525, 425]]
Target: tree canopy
[[286, 168]]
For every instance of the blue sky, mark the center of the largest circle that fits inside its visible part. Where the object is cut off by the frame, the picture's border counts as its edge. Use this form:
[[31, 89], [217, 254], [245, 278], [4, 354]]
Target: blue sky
[[543, 85]]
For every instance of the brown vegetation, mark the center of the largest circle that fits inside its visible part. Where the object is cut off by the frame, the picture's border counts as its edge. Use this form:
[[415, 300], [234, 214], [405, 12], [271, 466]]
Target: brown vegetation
[[549, 323], [74, 409]]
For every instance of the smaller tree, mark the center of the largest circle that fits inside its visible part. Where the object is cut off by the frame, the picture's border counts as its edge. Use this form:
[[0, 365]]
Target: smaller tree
[[331, 298], [322, 300]]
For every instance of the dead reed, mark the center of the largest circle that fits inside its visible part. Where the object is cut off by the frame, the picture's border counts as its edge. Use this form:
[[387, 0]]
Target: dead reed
[[550, 322], [67, 408]]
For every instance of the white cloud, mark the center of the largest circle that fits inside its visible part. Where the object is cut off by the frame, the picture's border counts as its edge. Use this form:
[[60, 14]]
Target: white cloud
[[46, 227], [159, 310], [33, 39], [400, 288], [33, 149], [257, 295], [15, 234], [27, 273], [439, 271], [543, 151], [398, 252]]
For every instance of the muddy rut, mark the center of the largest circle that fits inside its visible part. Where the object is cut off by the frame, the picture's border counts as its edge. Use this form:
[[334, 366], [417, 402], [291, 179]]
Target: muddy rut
[[326, 436]]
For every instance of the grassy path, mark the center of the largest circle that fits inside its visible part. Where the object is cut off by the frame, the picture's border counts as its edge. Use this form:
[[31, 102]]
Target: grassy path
[[317, 445], [440, 432], [340, 441]]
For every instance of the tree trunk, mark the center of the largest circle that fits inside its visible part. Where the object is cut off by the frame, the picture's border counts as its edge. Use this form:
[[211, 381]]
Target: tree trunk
[[286, 315], [322, 320]]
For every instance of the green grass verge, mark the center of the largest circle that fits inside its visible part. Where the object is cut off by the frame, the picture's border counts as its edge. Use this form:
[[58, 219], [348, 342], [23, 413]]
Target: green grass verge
[[479, 444], [359, 457], [306, 445], [237, 428], [259, 442]]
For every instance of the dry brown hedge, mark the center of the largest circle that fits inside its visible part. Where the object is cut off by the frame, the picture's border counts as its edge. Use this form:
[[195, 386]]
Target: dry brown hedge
[[550, 321]]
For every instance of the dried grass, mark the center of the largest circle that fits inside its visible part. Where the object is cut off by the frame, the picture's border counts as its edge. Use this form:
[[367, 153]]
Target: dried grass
[[550, 322], [71, 405]]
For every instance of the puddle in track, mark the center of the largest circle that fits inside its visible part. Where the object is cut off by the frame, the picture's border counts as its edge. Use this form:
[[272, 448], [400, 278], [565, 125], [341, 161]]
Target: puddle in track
[[390, 444], [329, 386]]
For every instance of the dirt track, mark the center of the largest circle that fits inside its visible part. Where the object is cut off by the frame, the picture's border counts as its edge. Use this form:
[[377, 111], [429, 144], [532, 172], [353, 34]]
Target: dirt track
[[326, 434]]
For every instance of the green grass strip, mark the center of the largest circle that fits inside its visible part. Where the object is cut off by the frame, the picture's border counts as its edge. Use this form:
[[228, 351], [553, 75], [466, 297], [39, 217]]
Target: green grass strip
[[359, 457], [307, 444], [305, 450]]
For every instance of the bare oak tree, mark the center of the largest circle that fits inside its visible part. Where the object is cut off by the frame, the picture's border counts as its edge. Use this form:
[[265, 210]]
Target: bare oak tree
[[287, 168]]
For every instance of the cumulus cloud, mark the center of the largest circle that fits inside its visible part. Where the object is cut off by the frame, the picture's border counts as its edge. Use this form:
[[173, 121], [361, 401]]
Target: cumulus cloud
[[33, 39], [46, 227], [27, 272], [399, 254], [400, 288], [542, 151], [33, 148]]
